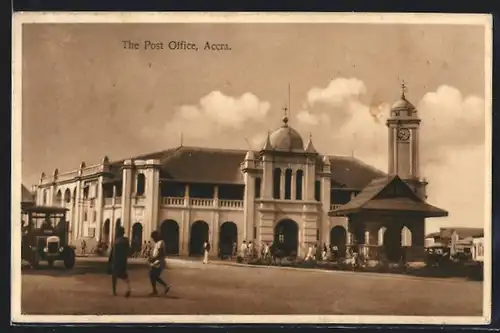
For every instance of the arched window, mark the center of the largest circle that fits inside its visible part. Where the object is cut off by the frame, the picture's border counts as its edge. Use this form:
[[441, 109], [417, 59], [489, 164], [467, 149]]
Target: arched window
[[381, 233], [298, 184], [67, 196], [141, 182], [59, 198], [288, 184], [405, 237], [86, 191], [258, 183], [44, 197], [276, 183], [317, 190]]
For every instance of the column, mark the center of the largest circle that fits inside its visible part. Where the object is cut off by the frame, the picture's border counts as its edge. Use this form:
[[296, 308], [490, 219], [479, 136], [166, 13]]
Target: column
[[185, 225], [248, 208], [126, 195], [99, 207], [267, 182], [392, 150], [325, 207], [78, 211], [214, 232], [113, 202], [216, 196], [310, 181], [152, 197], [186, 196], [415, 155], [282, 184], [293, 185]]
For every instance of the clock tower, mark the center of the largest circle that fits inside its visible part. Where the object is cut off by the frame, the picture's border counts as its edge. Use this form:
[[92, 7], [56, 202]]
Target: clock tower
[[403, 124]]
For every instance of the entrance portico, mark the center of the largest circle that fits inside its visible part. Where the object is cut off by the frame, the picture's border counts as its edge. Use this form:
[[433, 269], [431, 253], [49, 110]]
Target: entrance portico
[[387, 220]]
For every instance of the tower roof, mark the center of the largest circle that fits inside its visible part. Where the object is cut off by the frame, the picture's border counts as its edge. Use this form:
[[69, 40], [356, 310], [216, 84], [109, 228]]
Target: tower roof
[[403, 107], [310, 148]]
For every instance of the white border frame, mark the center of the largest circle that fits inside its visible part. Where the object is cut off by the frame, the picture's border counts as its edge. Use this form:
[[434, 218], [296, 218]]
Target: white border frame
[[181, 17]]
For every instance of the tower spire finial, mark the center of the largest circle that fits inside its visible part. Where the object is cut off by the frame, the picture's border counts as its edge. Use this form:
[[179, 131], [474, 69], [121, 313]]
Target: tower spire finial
[[404, 88]]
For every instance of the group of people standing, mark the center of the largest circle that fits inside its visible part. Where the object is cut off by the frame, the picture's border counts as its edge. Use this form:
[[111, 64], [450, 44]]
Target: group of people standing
[[118, 262], [326, 252]]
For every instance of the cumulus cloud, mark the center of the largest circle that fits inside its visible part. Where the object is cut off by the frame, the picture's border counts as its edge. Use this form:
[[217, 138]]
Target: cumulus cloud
[[337, 92], [217, 112], [452, 139]]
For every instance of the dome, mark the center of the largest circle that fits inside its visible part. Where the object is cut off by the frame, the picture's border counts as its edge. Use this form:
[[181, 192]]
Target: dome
[[402, 105], [286, 138]]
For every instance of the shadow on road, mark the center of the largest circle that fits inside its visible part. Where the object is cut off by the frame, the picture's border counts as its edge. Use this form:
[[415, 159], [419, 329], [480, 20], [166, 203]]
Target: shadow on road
[[82, 268]]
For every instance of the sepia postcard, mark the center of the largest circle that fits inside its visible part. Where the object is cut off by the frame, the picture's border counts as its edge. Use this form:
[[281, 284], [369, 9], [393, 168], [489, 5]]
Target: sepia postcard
[[251, 168]]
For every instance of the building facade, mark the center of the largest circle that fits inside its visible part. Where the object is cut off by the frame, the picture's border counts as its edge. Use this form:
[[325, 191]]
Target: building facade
[[286, 192]]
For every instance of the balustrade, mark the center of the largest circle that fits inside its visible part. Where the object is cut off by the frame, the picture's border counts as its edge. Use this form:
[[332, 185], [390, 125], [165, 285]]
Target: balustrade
[[334, 206], [202, 202]]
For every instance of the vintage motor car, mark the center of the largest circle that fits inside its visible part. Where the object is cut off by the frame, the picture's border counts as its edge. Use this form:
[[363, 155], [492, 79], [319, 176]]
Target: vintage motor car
[[45, 236], [437, 255]]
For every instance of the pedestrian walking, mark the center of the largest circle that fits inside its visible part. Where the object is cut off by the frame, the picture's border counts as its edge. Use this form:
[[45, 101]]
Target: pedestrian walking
[[84, 246], [117, 263], [309, 253], [234, 252], [206, 250], [266, 251], [157, 264]]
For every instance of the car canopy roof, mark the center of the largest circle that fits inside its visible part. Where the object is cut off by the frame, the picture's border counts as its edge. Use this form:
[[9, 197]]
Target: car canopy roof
[[44, 209]]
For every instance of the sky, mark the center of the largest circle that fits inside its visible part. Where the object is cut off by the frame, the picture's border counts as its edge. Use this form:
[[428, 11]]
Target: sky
[[84, 96]]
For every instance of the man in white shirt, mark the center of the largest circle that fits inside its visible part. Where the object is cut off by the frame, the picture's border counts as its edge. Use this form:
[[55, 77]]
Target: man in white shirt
[[243, 249], [157, 263]]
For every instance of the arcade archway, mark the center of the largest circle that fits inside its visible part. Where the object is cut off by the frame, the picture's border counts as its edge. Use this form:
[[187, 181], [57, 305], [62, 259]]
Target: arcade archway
[[169, 232], [118, 225], [392, 243], [286, 237], [227, 237], [136, 237], [338, 238], [106, 230], [199, 235]]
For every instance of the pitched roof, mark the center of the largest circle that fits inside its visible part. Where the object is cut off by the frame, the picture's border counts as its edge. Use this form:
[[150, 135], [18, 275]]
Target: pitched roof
[[352, 172], [462, 232], [204, 165], [211, 165], [388, 193]]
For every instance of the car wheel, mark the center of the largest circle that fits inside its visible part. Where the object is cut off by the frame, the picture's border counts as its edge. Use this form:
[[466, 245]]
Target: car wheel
[[69, 260]]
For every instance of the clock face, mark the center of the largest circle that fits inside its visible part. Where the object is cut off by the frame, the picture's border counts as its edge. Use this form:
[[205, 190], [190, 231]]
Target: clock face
[[403, 134]]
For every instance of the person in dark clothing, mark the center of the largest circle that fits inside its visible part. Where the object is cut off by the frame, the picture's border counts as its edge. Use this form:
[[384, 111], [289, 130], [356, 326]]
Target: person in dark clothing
[[157, 263], [117, 263]]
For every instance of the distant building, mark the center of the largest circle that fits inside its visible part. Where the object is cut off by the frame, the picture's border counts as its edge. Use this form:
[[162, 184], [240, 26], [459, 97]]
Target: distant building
[[27, 197], [460, 240], [285, 193]]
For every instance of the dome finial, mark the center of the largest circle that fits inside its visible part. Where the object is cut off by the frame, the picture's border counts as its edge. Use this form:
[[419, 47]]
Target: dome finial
[[285, 117]]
